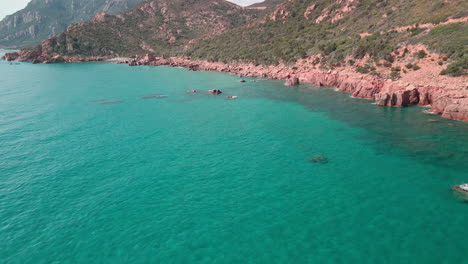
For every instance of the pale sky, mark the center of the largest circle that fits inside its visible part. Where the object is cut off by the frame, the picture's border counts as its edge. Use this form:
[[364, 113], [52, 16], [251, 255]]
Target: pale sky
[[8, 7]]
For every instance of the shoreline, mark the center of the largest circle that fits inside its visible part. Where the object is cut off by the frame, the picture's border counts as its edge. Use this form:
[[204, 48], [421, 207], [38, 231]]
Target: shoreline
[[449, 102], [446, 96]]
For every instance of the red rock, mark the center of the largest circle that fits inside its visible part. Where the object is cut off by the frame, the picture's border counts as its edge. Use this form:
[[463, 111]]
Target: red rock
[[12, 56], [149, 58], [414, 96], [292, 81], [382, 99], [215, 91], [456, 112]]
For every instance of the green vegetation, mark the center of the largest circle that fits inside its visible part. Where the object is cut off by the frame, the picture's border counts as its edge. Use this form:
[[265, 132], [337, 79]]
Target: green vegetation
[[458, 68], [394, 75], [144, 30], [281, 37], [295, 37], [451, 40], [52, 17], [420, 54], [365, 69]]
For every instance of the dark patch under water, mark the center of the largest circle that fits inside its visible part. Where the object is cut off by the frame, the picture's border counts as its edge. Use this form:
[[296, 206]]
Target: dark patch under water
[[154, 96], [198, 179], [111, 102]]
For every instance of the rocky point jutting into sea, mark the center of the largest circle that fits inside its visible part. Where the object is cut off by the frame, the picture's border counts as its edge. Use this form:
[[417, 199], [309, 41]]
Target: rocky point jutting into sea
[[444, 95]]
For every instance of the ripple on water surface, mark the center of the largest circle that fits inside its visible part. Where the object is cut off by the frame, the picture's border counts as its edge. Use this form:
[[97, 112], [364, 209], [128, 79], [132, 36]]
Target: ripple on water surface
[[196, 178]]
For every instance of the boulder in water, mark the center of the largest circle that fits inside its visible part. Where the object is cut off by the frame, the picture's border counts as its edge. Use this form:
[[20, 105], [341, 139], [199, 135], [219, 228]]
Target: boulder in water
[[461, 191], [215, 91]]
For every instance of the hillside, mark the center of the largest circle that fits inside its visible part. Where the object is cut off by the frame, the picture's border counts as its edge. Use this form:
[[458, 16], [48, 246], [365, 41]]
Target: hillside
[[41, 19], [342, 31], [158, 26]]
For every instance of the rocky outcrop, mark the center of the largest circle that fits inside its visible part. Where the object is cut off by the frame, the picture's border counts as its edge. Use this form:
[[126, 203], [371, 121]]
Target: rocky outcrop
[[456, 111], [292, 81], [461, 191], [397, 97], [40, 54], [12, 56], [358, 86], [451, 107]]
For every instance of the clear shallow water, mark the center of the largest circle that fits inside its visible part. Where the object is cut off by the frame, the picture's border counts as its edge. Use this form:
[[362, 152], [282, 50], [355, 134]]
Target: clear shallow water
[[194, 178]]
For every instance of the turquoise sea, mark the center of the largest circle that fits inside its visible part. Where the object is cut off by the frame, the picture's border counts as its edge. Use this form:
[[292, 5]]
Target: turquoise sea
[[196, 178]]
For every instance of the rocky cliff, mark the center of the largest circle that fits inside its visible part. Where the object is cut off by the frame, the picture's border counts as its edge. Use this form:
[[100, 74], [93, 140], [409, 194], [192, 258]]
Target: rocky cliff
[[42, 19], [158, 26]]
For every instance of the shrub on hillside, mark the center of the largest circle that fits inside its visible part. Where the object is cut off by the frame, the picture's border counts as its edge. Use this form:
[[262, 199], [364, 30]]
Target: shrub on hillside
[[420, 54], [365, 69], [387, 64], [394, 75], [458, 68]]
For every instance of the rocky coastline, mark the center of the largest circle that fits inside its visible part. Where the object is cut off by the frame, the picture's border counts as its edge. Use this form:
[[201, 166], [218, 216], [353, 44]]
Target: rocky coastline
[[451, 101]]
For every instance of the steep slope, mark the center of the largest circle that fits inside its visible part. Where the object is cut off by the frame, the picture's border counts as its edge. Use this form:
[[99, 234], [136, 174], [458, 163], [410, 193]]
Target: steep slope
[[42, 19], [339, 30], [158, 26]]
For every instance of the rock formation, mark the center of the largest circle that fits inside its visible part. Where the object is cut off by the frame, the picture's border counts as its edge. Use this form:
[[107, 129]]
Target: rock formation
[[292, 81]]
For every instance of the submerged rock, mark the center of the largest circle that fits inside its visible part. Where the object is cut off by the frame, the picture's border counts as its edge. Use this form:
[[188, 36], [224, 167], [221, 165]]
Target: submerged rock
[[319, 159], [111, 102], [154, 96]]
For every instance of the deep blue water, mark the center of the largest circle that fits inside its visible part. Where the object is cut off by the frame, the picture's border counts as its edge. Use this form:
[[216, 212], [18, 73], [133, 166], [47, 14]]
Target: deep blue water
[[196, 178]]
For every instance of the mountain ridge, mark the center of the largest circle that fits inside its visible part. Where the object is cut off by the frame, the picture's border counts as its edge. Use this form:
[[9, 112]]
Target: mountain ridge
[[42, 19], [157, 26]]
